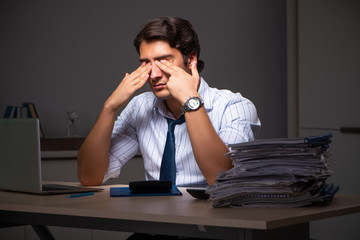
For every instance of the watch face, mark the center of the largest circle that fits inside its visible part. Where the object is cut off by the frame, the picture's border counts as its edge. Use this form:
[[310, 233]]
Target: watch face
[[194, 103]]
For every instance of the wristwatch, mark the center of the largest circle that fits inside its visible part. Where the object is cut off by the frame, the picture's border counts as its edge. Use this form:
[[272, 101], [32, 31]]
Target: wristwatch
[[192, 104]]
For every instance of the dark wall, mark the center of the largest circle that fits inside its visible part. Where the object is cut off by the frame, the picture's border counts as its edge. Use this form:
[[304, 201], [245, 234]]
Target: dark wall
[[70, 55]]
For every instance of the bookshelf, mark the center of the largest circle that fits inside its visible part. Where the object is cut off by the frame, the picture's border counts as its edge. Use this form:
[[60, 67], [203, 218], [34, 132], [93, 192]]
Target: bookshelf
[[50, 146], [60, 147], [61, 143]]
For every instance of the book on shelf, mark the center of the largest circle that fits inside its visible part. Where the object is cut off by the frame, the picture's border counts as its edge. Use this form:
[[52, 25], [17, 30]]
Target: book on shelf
[[16, 112], [26, 110], [10, 112]]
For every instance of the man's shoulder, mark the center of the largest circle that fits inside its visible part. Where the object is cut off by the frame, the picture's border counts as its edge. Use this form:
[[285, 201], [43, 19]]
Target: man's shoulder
[[225, 95], [147, 98], [139, 106], [146, 95]]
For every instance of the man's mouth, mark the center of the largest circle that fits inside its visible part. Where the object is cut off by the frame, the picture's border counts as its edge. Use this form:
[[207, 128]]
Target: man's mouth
[[159, 86]]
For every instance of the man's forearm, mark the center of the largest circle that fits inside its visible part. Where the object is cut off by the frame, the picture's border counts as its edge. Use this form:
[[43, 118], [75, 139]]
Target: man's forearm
[[208, 148], [93, 156]]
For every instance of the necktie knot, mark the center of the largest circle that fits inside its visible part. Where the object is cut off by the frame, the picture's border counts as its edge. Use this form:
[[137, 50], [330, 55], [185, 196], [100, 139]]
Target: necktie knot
[[172, 123]]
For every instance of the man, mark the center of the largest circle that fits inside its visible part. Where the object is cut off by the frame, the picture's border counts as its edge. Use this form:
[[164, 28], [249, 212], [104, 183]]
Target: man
[[169, 52]]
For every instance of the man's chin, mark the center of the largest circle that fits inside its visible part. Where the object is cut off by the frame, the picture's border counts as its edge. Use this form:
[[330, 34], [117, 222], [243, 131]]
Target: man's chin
[[162, 94]]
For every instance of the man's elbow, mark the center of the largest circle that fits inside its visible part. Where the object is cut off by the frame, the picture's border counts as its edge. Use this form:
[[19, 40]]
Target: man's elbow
[[90, 180]]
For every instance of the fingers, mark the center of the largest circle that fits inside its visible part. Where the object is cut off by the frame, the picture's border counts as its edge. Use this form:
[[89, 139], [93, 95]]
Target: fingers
[[194, 70], [144, 68], [140, 74], [166, 66], [129, 85], [171, 69]]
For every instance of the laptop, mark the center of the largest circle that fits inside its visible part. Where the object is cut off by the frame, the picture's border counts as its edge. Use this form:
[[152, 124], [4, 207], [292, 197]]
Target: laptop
[[20, 159]]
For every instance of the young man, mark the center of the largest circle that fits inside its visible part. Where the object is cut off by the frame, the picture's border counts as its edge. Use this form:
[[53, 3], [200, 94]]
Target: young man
[[169, 52]]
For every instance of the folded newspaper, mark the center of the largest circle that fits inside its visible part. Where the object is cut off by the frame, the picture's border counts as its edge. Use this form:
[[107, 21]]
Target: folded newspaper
[[289, 172]]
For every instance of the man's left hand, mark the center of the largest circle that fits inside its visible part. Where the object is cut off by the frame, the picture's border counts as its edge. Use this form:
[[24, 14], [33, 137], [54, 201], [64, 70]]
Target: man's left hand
[[181, 84]]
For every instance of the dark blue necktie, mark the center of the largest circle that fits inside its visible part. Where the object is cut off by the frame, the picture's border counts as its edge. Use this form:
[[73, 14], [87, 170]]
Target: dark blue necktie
[[167, 170]]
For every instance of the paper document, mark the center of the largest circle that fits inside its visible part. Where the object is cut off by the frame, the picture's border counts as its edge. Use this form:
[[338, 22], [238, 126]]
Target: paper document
[[276, 173]]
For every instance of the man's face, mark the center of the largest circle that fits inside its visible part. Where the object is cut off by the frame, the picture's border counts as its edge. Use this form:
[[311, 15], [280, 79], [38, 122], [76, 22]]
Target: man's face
[[160, 50]]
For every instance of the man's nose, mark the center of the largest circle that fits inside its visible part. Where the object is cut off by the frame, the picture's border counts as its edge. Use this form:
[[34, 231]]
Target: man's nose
[[156, 72]]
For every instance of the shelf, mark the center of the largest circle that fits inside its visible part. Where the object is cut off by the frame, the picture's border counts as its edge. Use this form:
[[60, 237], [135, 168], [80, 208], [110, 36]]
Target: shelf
[[61, 143]]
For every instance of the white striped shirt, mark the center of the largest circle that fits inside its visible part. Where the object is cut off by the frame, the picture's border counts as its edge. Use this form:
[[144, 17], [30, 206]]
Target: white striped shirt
[[142, 127]]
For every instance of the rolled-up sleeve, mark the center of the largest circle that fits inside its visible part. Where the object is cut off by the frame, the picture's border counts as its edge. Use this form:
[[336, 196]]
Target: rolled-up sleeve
[[240, 122], [124, 144]]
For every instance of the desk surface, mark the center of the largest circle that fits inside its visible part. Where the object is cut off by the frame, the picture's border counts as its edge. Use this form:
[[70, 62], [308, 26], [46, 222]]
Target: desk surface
[[183, 210]]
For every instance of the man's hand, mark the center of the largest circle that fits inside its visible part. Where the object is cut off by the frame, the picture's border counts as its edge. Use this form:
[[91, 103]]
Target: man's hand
[[210, 159], [181, 84], [128, 86]]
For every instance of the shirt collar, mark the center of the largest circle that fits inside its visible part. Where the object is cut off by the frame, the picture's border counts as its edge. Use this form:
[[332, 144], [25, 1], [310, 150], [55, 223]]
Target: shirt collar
[[161, 107]]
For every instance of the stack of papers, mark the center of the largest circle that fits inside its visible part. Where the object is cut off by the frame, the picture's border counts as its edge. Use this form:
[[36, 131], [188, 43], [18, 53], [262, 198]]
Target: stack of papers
[[289, 172]]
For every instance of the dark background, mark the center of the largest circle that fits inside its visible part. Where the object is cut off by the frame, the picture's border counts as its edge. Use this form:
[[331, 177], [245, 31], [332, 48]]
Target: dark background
[[70, 55]]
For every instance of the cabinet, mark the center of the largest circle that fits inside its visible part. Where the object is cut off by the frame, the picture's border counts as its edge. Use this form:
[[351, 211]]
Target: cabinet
[[329, 74]]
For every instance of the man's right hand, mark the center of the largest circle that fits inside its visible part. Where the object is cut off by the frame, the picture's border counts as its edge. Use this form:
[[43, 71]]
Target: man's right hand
[[128, 86]]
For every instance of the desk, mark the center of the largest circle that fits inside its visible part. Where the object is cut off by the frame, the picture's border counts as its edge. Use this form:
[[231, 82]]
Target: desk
[[170, 215]]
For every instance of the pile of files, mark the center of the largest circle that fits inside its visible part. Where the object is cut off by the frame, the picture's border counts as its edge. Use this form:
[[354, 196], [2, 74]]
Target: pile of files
[[289, 172]]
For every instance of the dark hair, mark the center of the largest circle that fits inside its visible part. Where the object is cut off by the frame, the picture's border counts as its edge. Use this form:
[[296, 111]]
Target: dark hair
[[179, 33]]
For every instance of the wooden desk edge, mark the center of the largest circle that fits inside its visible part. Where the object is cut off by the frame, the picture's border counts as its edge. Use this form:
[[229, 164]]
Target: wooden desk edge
[[343, 204]]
